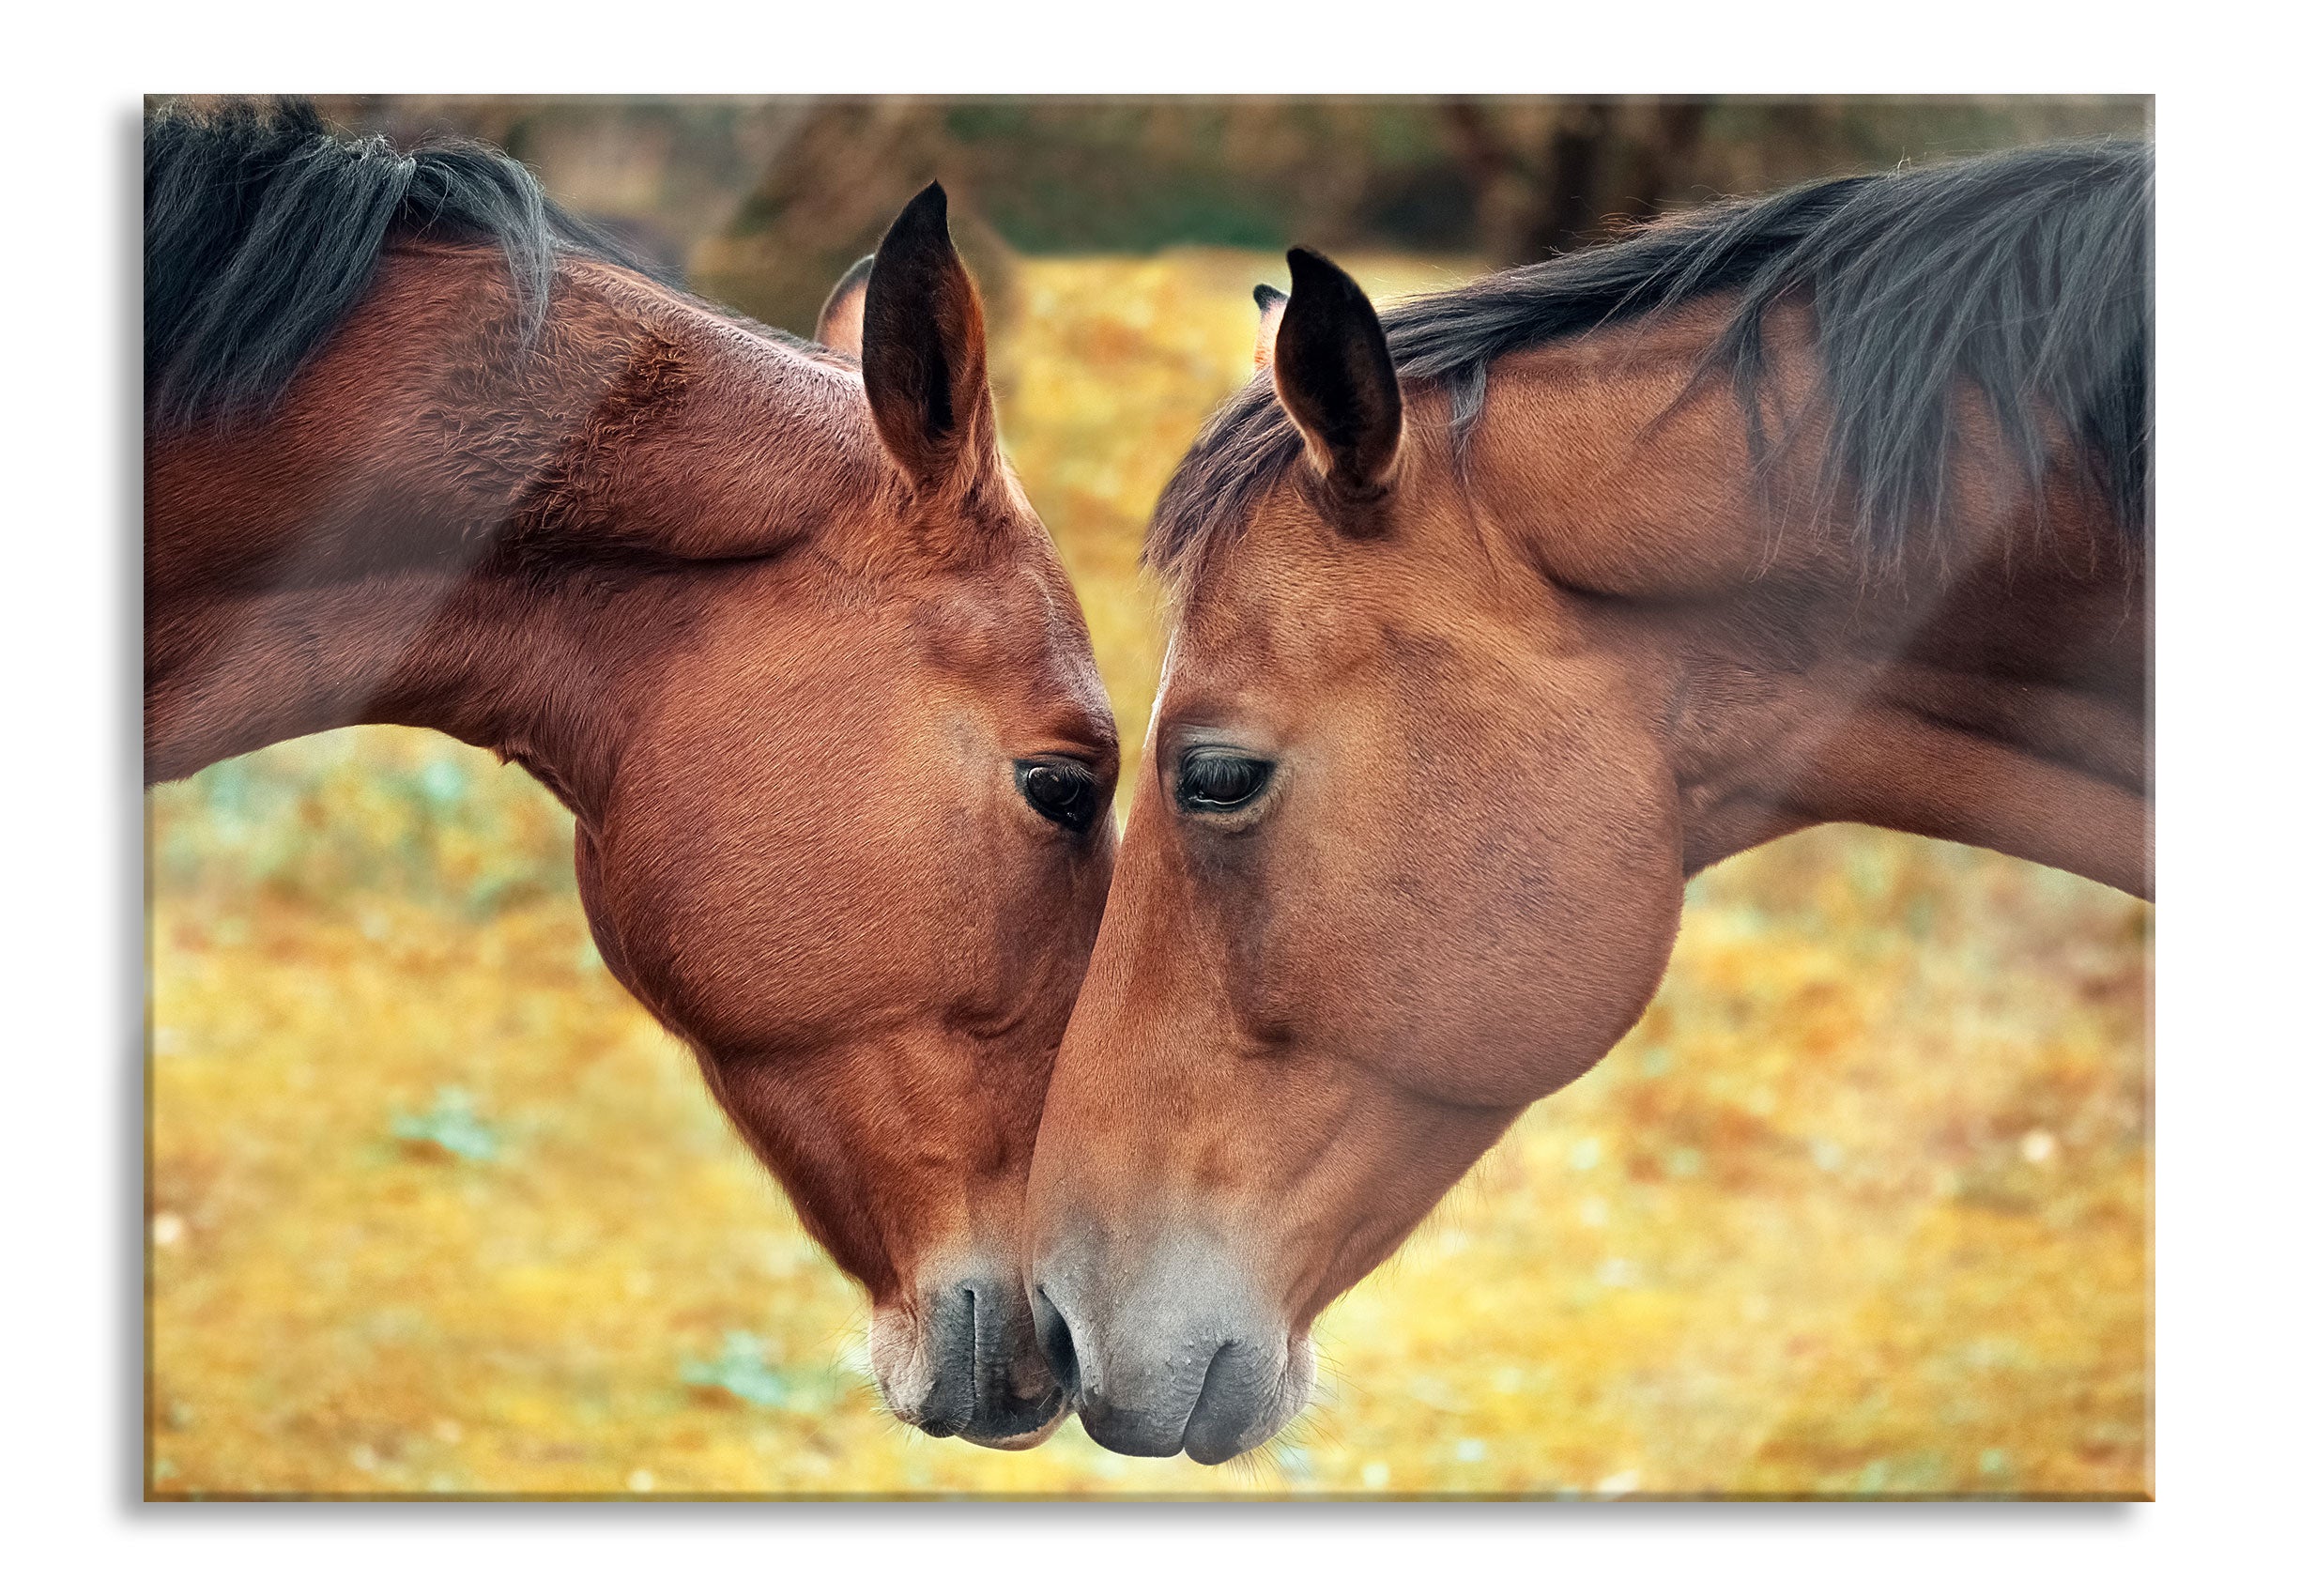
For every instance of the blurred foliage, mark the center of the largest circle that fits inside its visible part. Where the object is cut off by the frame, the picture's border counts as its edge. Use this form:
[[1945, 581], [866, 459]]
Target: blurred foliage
[[398, 813], [743, 1370], [1860, 1206], [763, 202], [450, 1127]]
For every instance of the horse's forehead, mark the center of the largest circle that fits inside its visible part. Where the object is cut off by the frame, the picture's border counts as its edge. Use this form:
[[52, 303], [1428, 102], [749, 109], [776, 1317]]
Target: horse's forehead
[[1013, 625], [1274, 597]]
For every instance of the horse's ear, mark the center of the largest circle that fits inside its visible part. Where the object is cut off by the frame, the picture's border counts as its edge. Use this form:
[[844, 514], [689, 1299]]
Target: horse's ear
[[1331, 366], [840, 325], [1271, 302], [925, 362]]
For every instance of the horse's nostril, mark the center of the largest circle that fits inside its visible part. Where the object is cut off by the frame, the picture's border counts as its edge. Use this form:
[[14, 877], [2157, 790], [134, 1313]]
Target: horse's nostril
[[953, 1396], [1054, 1340]]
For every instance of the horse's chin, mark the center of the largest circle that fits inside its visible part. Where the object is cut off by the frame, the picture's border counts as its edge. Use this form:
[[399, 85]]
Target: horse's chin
[[1023, 1442]]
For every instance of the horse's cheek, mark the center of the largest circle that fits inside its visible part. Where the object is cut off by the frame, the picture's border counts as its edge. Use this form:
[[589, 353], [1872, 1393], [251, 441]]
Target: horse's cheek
[[1483, 957]]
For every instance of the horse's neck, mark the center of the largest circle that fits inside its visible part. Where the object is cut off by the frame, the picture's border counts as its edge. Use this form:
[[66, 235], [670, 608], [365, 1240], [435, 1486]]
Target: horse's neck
[[1997, 695], [2005, 707], [430, 526], [484, 657]]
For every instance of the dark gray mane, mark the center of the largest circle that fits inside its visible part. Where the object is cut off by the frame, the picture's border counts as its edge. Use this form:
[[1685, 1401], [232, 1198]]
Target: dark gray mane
[[2028, 274], [261, 230]]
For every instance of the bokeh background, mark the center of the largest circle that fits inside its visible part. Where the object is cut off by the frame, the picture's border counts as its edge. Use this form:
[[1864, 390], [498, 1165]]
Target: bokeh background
[[1859, 1209]]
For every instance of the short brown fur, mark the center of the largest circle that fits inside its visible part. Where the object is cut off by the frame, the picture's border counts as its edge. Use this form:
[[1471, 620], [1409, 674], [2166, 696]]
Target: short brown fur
[[1579, 654], [673, 569]]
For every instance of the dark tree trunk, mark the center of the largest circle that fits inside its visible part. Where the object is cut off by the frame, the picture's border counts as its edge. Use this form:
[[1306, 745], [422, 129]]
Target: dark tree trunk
[[1572, 203]]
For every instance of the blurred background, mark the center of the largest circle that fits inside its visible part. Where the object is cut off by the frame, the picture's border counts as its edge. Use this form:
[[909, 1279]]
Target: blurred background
[[1861, 1208]]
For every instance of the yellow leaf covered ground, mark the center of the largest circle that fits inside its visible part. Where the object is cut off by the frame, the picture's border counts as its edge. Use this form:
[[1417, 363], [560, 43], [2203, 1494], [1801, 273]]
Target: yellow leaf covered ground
[[1860, 1207]]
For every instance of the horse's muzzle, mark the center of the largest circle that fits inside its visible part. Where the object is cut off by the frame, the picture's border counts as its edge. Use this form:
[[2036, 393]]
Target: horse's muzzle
[[1189, 1361], [964, 1362]]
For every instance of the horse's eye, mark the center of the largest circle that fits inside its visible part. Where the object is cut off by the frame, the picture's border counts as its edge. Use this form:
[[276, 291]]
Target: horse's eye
[[1214, 781], [1063, 793]]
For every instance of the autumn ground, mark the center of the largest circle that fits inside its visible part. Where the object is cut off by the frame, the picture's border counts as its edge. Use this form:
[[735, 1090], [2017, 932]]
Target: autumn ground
[[1861, 1208]]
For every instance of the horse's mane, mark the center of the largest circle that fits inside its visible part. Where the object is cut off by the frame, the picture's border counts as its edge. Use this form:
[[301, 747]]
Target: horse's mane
[[2028, 274], [262, 231]]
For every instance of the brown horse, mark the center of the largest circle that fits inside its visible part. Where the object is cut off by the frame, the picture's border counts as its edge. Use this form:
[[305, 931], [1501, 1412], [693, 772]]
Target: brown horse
[[1500, 617], [776, 624]]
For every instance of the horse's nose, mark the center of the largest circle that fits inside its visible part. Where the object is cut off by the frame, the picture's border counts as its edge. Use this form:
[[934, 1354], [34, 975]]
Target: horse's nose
[[1180, 1356], [948, 1405], [968, 1364], [1054, 1342]]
